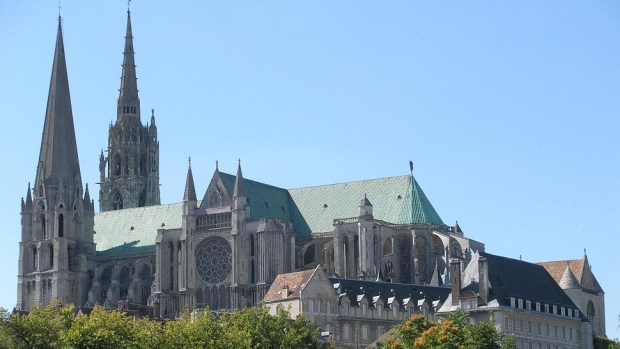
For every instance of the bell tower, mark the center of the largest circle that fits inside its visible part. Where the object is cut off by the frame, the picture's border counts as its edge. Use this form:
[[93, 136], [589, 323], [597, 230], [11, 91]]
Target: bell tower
[[58, 215], [129, 174]]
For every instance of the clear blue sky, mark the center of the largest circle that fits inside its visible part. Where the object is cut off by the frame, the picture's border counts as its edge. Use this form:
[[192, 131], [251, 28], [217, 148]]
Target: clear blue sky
[[508, 109]]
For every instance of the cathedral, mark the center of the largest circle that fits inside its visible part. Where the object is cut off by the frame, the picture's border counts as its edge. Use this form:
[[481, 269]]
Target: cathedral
[[222, 251], [226, 250]]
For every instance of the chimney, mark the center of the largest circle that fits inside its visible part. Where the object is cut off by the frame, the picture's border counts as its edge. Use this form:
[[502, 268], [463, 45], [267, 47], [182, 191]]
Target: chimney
[[483, 277], [455, 280], [285, 291]]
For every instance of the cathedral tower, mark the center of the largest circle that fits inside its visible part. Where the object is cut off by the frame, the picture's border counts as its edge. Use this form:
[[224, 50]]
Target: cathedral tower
[[129, 173], [57, 217]]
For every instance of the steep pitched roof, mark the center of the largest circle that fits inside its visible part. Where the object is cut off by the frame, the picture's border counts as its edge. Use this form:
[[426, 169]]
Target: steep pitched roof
[[398, 200], [133, 231], [579, 267], [519, 279], [265, 201], [294, 281]]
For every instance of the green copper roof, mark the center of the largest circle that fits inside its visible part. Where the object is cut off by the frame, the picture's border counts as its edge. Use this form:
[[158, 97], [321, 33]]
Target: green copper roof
[[133, 231], [398, 200], [266, 201]]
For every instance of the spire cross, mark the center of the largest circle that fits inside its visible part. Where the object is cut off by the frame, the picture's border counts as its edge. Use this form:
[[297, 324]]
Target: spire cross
[[128, 2], [189, 160], [59, 7], [216, 164]]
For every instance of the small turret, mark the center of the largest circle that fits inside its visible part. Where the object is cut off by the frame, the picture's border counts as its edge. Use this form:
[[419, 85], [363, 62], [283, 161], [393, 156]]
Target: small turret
[[190, 190], [239, 198], [365, 208]]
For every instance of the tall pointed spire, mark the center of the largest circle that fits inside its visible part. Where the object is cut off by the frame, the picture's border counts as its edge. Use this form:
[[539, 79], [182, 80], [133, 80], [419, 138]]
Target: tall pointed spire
[[190, 190], [58, 156], [238, 190], [128, 101]]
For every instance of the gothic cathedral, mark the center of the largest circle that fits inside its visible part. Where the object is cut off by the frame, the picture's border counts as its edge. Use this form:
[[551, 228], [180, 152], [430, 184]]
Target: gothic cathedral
[[222, 251]]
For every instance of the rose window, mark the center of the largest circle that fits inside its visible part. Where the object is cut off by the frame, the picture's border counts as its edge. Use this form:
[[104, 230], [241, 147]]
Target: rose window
[[213, 260]]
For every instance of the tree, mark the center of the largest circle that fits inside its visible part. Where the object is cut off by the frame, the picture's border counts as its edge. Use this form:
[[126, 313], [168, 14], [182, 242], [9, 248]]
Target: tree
[[42, 328], [109, 329], [453, 332]]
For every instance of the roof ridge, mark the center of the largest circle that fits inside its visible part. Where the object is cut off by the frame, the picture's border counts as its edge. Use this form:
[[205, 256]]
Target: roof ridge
[[350, 182]]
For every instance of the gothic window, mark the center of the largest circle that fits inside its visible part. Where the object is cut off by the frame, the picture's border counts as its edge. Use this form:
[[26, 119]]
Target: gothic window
[[253, 276], [43, 230], [34, 258], [171, 251], [590, 311], [61, 225], [437, 246], [345, 255], [356, 253], [387, 247], [405, 260], [146, 277], [117, 165], [125, 281], [106, 281], [117, 202], [421, 255], [309, 255], [142, 199], [215, 199], [51, 255], [346, 331], [142, 166], [213, 260]]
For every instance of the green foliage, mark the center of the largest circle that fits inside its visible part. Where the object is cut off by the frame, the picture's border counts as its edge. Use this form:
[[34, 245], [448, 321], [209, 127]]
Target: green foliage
[[42, 328], [605, 343], [53, 327], [455, 332]]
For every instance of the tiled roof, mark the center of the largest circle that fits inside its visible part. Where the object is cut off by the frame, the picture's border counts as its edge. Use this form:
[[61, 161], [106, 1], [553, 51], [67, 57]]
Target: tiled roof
[[556, 268], [394, 199], [133, 231], [295, 281]]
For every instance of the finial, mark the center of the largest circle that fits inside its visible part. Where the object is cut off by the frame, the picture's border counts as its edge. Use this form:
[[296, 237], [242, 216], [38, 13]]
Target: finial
[[584, 251], [59, 7], [153, 112], [189, 160], [216, 165], [239, 160], [128, 2], [411, 167]]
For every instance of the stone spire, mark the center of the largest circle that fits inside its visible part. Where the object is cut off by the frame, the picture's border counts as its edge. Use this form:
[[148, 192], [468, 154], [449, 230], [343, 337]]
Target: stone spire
[[238, 190], [190, 190], [58, 157], [128, 101]]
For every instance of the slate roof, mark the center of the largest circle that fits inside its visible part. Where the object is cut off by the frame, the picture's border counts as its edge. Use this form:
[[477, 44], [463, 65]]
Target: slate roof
[[295, 281], [375, 290], [522, 280], [133, 231]]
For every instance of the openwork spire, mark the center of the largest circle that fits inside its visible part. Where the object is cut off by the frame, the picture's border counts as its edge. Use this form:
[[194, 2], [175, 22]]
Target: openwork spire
[[128, 101], [58, 157]]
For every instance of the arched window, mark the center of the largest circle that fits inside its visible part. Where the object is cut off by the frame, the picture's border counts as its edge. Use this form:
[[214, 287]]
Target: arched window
[[51, 253], [591, 312], [421, 255], [309, 255], [117, 202], [125, 281], [34, 258], [43, 230], [345, 255], [405, 260], [437, 246], [356, 254], [142, 199], [171, 251], [252, 245], [200, 302], [117, 165], [61, 225], [387, 247]]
